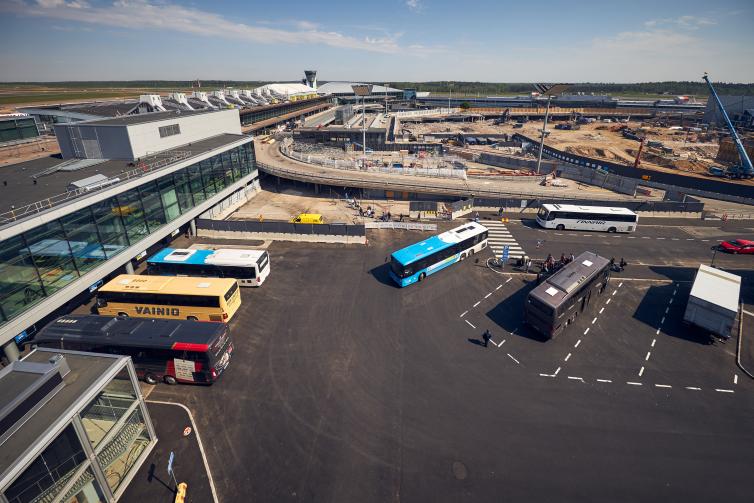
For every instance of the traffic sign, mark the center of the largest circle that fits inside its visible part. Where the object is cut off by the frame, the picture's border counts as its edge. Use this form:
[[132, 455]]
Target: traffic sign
[[170, 463], [506, 253]]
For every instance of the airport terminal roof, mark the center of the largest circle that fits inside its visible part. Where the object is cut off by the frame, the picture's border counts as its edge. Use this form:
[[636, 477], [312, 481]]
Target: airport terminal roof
[[287, 88], [129, 120], [21, 189], [99, 109], [345, 88]]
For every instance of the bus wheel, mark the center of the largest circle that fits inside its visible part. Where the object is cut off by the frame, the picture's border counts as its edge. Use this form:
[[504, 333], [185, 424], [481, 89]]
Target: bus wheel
[[192, 318], [463, 256], [123, 315], [560, 227], [150, 379], [170, 380], [612, 229], [422, 276]]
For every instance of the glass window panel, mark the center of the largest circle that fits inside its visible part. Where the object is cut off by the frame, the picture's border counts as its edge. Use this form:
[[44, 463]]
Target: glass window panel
[[52, 470], [230, 163], [183, 188], [153, 210], [235, 158], [219, 171], [20, 285], [51, 253], [108, 407], [110, 226], [84, 239], [208, 177], [118, 457], [169, 198], [197, 184], [85, 490], [132, 212]]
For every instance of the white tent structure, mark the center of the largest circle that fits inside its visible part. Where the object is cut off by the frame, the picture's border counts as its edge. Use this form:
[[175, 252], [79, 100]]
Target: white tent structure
[[289, 91]]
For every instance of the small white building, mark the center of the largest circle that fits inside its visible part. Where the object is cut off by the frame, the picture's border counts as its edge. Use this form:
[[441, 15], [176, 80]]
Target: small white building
[[135, 136]]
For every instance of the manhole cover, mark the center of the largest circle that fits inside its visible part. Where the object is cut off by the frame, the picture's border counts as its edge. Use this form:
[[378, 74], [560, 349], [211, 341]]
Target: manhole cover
[[459, 470]]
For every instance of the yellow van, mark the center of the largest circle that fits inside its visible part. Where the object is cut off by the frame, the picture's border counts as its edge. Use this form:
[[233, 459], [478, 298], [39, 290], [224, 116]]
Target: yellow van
[[308, 218]]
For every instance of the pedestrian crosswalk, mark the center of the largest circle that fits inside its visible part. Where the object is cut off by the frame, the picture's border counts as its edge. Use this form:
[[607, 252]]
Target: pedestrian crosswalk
[[500, 236]]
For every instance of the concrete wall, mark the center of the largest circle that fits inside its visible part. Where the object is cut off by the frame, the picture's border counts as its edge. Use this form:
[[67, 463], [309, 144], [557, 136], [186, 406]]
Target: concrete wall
[[233, 201], [510, 162], [611, 181]]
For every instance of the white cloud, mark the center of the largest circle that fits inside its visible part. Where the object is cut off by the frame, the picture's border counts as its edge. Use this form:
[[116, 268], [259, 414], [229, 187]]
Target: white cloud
[[414, 5], [145, 14], [688, 22]]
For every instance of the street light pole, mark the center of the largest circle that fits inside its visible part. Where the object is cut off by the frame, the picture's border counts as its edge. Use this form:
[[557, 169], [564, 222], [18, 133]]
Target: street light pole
[[544, 128], [364, 126]]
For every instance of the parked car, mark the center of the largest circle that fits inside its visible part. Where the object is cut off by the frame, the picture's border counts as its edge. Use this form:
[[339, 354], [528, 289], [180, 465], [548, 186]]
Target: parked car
[[738, 246]]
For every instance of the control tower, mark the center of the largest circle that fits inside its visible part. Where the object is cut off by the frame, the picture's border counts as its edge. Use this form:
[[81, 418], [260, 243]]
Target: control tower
[[311, 78]]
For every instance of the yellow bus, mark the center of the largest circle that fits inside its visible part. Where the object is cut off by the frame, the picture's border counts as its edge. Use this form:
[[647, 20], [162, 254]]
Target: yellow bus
[[184, 298]]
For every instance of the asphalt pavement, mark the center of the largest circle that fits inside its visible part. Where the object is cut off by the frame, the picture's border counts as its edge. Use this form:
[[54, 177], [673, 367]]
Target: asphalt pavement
[[343, 387]]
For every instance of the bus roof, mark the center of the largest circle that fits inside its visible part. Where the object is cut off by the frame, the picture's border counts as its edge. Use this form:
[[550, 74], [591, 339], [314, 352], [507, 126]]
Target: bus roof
[[234, 256], [560, 285], [180, 256], [169, 285], [133, 332], [576, 208], [429, 246]]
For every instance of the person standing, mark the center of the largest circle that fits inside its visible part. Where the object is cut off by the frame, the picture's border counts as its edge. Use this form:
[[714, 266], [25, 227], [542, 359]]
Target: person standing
[[486, 336]]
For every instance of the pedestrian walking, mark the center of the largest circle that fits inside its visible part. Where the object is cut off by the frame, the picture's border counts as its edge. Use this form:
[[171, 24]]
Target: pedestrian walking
[[486, 336]]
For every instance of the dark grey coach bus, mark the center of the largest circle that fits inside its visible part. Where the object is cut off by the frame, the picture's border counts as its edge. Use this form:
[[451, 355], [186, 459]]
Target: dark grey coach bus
[[556, 302]]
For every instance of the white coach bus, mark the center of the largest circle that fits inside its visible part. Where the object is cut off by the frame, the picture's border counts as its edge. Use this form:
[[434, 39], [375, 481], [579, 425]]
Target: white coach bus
[[587, 218]]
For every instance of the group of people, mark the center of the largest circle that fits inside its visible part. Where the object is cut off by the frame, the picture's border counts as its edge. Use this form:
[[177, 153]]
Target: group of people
[[550, 264], [621, 265], [370, 213]]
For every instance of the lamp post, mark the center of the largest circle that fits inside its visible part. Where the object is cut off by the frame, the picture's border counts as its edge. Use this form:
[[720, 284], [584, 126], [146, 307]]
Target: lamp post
[[551, 90], [363, 90]]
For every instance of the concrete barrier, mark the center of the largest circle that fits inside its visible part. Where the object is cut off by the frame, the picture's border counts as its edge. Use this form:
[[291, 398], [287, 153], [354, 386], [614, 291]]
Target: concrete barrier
[[277, 236]]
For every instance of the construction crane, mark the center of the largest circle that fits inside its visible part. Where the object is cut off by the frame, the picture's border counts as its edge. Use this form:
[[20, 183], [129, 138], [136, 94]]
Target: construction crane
[[746, 170]]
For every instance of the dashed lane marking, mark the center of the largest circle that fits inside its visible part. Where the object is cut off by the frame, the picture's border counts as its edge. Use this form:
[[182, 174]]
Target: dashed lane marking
[[498, 287], [632, 383], [724, 390], [663, 386], [508, 280], [608, 301], [556, 372], [517, 362], [620, 284], [653, 342], [735, 378], [604, 380], [615, 291], [477, 303], [472, 326], [662, 320], [586, 331], [567, 357], [463, 314], [601, 310], [693, 388], [488, 295], [594, 320], [579, 342], [576, 378], [646, 358], [641, 371]]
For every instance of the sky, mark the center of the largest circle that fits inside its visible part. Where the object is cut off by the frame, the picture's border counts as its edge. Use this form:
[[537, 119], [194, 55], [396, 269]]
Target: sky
[[377, 41]]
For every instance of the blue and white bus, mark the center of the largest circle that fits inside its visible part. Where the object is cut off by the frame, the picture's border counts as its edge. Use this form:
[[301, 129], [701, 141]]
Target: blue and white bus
[[416, 262], [249, 267]]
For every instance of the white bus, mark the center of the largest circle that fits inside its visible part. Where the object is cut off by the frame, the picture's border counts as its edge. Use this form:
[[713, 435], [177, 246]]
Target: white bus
[[249, 267], [587, 218]]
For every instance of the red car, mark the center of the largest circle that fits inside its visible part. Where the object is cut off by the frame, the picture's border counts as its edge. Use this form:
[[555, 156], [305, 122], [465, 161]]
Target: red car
[[737, 246]]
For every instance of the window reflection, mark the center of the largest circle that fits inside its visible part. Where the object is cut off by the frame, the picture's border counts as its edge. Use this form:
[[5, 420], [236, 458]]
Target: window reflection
[[101, 414], [153, 210], [121, 453], [51, 252], [20, 285], [131, 211], [84, 239]]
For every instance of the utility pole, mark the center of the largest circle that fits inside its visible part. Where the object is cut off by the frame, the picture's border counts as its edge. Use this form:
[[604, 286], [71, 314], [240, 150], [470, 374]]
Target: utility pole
[[542, 139], [550, 90]]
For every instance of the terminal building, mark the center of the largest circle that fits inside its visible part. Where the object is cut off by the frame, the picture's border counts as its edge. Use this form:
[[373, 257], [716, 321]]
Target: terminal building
[[125, 187], [73, 427]]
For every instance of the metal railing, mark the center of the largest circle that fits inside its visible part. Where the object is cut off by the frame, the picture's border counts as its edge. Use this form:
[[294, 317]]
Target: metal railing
[[144, 166], [409, 226]]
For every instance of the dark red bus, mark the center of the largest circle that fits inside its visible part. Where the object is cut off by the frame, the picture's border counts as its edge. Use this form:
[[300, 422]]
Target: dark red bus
[[161, 349]]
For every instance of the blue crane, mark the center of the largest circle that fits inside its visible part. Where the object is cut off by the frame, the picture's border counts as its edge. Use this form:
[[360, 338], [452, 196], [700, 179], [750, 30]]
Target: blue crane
[[746, 170]]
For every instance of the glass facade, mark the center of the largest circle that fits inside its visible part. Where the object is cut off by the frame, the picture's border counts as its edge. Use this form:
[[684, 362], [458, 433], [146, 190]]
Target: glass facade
[[113, 427], [16, 129], [41, 261]]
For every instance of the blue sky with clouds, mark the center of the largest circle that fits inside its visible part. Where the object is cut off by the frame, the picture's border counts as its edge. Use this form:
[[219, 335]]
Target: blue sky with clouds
[[382, 40]]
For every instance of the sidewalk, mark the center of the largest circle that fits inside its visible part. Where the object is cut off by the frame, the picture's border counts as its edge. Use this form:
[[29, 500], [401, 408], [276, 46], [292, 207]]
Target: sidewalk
[[152, 484], [746, 341]]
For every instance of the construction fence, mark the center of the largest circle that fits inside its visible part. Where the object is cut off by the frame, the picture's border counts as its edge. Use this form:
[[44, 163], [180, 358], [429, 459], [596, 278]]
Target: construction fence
[[281, 227]]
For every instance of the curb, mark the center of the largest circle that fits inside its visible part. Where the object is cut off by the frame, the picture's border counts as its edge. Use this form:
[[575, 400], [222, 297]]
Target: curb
[[740, 341]]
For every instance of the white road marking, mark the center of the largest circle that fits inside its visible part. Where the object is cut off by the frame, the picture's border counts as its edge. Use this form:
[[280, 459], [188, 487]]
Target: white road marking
[[653, 342], [604, 380], [646, 237], [547, 375], [499, 287], [467, 321], [556, 372], [660, 238], [724, 390], [641, 371], [658, 332], [666, 310], [594, 320], [620, 284], [608, 301], [632, 237], [602, 310], [477, 303], [646, 358], [747, 312], [689, 239], [586, 331], [615, 291], [705, 240], [675, 239], [509, 356], [663, 386], [693, 388], [735, 379], [576, 378], [488, 295], [579, 342], [662, 320], [567, 357], [670, 301], [508, 280], [633, 383], [463, 314]]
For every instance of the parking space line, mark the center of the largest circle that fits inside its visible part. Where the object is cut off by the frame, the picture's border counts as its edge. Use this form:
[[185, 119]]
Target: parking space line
[[472, 326], [567, 357], [517, 362], [579, 342], [463, 314], [724, 390], [604, 380]]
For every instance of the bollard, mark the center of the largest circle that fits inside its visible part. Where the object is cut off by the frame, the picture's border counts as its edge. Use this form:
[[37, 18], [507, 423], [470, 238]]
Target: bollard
[[180, 494]]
